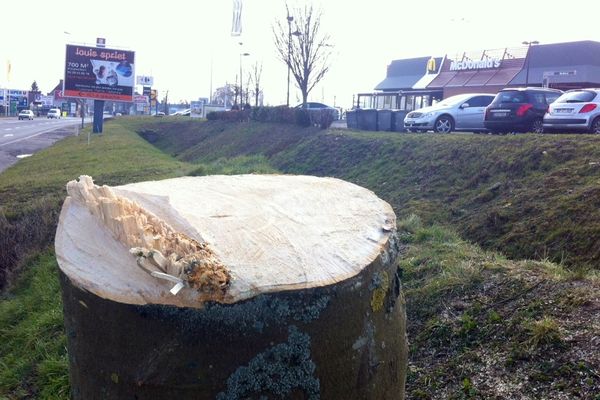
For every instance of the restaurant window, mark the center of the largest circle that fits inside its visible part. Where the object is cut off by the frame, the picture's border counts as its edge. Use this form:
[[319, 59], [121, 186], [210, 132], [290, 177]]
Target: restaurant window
[[410, 102], [418, 102], [402, 102]]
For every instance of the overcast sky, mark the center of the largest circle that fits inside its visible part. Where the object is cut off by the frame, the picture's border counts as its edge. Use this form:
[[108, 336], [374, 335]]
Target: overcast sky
[[177, 41]]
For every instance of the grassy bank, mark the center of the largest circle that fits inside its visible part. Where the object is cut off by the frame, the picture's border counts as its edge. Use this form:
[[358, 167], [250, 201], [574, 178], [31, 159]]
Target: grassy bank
[[484, 327], [32, 191], [529, 196]]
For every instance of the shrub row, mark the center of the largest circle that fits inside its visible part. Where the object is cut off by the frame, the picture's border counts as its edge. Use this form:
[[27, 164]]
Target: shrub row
[[280, 114]]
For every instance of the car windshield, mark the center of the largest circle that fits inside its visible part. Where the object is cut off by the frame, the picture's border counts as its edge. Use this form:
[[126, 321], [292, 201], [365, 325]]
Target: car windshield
[[580, 96], [511, 96], [454, 100]]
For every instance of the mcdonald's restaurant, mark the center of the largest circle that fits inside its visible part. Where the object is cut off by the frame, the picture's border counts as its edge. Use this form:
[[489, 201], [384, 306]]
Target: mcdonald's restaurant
[[414, 83]]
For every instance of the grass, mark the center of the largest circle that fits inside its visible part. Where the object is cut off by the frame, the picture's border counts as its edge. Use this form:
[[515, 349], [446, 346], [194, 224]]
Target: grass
[[32, 190], [475, 318], [530, 196], [33, 346], [545, 331], [257, 164], [116, 157]]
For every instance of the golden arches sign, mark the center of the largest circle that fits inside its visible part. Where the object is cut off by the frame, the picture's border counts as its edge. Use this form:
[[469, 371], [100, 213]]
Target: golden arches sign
[[431, 66]]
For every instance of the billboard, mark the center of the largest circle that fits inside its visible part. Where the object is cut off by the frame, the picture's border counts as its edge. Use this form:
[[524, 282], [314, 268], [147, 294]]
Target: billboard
[[99, 73], [140, 99]]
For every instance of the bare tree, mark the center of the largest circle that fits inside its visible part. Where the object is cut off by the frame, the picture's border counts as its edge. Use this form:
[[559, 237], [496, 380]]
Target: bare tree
[[225, 95], [254, 77], [306, 51], [166, 103]]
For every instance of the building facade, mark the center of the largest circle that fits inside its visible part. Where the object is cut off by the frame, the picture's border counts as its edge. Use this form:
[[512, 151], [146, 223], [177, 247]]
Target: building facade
[[419, 82]]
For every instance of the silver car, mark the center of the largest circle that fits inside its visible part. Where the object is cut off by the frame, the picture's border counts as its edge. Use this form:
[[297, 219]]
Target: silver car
[[462, 112], [575, 110], [314, 107]]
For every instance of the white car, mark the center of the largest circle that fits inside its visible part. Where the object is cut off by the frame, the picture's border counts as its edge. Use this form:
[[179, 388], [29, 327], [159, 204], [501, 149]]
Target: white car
[[54, 113], [26, 114], [463, 112], [575, 110]]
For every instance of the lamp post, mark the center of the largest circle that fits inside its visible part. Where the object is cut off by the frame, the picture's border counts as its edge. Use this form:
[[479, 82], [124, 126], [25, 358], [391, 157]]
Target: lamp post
[[528, 44], [241, 79]]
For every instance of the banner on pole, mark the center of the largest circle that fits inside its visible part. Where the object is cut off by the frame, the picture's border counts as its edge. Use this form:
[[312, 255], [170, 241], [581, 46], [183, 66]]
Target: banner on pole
[[236, 24]]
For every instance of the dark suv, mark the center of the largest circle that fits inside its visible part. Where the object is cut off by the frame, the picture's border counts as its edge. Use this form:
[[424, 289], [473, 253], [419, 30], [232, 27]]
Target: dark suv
[[519, 110]]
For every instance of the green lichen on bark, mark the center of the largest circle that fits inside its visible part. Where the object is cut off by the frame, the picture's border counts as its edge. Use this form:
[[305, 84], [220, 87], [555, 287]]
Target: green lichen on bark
[[279, 371], [382, 285]]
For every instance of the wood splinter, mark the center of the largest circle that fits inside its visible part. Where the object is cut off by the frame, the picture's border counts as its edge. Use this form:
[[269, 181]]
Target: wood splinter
[[160, 250]]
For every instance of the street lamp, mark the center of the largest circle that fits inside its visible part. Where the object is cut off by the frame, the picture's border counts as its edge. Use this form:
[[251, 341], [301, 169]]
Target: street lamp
[[241, 79], [528, 44]]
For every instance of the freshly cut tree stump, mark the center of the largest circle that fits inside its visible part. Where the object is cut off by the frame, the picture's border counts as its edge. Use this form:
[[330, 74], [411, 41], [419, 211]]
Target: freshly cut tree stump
[[286, 287]]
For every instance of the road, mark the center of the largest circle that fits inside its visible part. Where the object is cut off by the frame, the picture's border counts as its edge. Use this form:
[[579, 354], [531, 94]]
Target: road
[[20, 139]]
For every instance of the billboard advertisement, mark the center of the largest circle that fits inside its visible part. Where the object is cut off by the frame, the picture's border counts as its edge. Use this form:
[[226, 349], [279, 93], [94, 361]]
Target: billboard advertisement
[[140, 99], [99, 73]]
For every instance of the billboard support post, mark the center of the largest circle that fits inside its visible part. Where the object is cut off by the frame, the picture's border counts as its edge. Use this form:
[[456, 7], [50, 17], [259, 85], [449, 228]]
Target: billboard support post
[[98, 116]]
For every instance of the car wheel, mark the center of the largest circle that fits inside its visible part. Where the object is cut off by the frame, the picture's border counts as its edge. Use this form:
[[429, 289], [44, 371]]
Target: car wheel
[[595, 126], [537, 126], [444, 124]]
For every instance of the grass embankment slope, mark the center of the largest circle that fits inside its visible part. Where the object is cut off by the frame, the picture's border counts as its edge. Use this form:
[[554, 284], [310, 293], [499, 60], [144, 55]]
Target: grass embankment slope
[[32, 349], [480, 326], [528, 195]]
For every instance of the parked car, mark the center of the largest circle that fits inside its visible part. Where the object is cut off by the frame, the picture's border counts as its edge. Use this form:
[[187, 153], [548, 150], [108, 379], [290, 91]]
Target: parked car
[[312, 107], [53, 113], [461, 112], [519, 109], [575, 110], [25, 114]]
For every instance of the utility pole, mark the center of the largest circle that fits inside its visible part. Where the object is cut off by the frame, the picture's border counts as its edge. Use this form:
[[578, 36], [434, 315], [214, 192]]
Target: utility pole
[[528, 44]]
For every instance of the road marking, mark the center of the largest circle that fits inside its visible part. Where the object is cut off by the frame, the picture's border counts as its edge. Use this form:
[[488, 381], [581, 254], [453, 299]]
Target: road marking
[[28, 137], [9, 134], [24, 155]]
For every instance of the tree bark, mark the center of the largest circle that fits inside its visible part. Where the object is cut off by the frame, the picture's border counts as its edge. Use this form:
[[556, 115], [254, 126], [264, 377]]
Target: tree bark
[[331, 328]]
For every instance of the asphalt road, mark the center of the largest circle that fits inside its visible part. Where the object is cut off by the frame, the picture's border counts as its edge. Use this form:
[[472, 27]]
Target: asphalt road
[[20, 139]]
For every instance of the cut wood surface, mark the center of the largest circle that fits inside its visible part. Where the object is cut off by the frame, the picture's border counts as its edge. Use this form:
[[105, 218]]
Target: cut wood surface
[[271, 232]]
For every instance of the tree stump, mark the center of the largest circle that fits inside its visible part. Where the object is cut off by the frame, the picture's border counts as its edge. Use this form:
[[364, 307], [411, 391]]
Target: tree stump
[[311, 306]]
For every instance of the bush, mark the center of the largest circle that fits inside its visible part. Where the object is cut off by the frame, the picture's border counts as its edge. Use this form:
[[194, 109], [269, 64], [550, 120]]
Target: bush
[[303, 118], [283, 114], [324, 118], [280, 114], [229, 116]]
